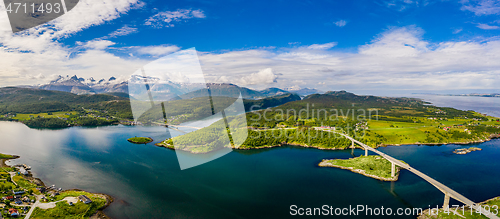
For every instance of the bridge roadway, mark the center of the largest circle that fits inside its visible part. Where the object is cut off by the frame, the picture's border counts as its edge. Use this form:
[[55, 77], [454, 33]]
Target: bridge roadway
[[446, 190]]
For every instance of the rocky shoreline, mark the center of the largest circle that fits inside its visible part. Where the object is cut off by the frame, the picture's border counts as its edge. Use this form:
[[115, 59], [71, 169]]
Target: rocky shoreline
[[325, 163]]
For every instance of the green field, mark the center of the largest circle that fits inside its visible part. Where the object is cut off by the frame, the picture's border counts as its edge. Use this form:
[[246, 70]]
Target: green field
[[6, 156], [372, 165], [23, 183], [428, 131], [78, 210], [23, 117]]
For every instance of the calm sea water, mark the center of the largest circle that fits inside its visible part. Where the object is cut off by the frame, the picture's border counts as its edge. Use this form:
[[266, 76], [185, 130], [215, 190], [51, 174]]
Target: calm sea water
[[146, 180]]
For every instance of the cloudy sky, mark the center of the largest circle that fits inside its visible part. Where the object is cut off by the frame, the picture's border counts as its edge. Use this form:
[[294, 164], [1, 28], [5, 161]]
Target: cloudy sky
[[368, 47]]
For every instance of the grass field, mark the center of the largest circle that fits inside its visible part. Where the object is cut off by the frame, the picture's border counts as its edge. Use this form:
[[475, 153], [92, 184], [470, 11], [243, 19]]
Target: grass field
[[466, 212], [6, 156], [23, 117], [78, 210], [23, 183], [373, 165], [425, 130]]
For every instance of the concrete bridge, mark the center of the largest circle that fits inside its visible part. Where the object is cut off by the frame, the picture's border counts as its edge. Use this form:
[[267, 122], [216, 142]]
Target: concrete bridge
[[448, 193]]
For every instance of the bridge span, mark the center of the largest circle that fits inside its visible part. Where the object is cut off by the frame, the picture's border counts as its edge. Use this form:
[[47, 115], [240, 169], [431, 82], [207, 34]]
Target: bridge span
[[448, 193]]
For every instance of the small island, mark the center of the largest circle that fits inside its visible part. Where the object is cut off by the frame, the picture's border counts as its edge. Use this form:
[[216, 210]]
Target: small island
[[466, 150], [140, 140], [22, 195], [370, 166]]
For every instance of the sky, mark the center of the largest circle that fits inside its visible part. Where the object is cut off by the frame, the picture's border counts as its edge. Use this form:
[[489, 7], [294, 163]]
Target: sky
[[384, 47]]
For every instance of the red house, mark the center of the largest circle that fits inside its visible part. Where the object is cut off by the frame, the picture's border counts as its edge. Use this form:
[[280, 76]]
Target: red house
[[13, 212]]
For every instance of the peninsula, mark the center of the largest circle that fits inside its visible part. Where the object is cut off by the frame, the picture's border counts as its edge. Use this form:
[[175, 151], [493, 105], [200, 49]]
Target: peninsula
[[22, 195]]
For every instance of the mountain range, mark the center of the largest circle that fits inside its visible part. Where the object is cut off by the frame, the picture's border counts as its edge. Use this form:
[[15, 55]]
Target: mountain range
[[171, 90]]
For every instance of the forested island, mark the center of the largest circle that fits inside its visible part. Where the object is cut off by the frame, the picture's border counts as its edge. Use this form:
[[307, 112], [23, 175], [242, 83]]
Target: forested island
[[140, 140]]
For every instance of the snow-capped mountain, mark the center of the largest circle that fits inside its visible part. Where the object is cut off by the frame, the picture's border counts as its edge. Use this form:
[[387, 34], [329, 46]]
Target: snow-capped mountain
[[303, 91], [77, 85], [161, 89]]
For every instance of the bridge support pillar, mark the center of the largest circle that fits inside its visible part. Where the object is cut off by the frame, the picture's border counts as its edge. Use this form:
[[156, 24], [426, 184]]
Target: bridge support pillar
[[352, 146], [393, 170], [366, 152], [446, 200]]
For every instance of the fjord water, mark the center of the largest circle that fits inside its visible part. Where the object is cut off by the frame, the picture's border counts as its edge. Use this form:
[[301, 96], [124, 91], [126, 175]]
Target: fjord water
[[146, 180]]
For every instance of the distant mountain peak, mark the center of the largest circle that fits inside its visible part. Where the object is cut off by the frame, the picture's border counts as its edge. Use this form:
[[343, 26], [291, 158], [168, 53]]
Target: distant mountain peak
[[303, 91]]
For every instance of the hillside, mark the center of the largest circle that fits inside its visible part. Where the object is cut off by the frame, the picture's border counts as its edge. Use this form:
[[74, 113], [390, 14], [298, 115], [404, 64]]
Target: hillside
[[375, 121], [179, 111]]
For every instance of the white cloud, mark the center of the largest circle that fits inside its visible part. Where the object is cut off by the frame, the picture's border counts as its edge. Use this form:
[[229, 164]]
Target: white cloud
[[156, 50], [401, 5], [487, 27], [401, 42], [265, 76], [481, 7], [398, 59], [340, 23], [458, 30], [99, 44], [125, 30], [167, 18], [32, 55], [322, 46]]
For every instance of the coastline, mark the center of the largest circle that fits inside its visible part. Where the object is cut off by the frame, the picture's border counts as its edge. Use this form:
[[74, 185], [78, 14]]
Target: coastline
[[491, 137], [97, 215]]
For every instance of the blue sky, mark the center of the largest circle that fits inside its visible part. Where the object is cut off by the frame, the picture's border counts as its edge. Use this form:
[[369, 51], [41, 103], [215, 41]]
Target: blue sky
[[375, 47], [230, 24]]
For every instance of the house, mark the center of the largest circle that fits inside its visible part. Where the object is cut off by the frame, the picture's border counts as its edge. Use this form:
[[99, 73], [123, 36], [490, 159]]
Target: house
[[18, 201], [13, 212], [42, 190], [8, 198], [18, 192], [85, 199], [23, 171]]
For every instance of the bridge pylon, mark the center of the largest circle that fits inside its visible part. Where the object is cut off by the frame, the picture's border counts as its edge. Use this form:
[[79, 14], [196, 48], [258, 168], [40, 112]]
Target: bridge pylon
[[393, 170], [446, 203]]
